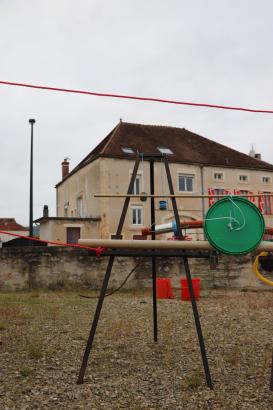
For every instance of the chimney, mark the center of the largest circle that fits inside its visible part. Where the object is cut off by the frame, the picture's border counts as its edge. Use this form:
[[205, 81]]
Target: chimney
[[45, 211], [65, 168], [258, 156]]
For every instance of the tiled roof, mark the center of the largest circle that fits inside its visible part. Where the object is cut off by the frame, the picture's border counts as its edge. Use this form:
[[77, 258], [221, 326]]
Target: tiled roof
[[9, 224], [187, 147]]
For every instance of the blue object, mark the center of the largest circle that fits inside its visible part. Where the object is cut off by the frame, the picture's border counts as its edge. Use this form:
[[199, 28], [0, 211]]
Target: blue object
[[174, 228], [163, 205]]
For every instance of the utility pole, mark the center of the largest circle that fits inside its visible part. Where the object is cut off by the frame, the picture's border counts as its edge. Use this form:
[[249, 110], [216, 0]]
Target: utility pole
[[32, 122]]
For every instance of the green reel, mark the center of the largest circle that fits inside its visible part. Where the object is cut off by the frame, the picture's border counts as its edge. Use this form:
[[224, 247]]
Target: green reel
[[234, 225]]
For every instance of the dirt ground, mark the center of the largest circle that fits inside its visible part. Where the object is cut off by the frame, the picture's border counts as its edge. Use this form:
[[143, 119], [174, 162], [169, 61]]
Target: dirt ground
[[43, 335]]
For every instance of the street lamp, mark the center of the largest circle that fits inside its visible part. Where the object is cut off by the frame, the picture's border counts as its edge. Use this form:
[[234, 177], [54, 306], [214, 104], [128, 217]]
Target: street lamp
[[32, 122]]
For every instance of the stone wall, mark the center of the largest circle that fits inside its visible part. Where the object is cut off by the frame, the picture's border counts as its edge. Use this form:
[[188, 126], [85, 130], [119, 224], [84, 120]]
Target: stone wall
[[57, 267]]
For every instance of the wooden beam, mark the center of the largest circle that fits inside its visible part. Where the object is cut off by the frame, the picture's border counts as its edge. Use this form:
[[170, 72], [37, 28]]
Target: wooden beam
[[185, 196], [159, 244]]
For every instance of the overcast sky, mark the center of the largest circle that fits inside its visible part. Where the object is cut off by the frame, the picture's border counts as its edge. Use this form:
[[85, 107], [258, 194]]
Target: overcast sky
[[212, 51]]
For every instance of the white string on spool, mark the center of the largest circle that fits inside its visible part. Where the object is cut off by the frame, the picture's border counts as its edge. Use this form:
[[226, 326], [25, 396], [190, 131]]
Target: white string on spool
[[231, 218]]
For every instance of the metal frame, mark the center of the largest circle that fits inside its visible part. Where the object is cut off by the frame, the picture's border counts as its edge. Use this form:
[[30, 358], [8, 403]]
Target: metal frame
[[169, 253], [153, 254], [271, 376]]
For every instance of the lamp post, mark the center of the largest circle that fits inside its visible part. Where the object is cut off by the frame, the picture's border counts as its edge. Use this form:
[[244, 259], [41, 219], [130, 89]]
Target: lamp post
[[32, 122]]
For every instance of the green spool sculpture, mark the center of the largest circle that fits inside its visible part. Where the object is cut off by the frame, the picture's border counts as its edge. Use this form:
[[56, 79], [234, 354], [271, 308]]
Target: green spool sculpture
[[234, 225]]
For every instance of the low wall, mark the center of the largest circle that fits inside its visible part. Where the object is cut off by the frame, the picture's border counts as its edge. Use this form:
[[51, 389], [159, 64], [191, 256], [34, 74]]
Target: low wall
[[57, 267]]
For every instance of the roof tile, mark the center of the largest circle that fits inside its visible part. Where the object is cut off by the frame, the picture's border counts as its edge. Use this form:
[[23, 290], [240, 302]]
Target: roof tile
[[188, 147], [9, 224]]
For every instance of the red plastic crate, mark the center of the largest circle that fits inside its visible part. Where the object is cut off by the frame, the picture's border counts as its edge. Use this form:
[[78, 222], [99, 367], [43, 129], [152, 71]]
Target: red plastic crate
[[164, 288], [185, 292]]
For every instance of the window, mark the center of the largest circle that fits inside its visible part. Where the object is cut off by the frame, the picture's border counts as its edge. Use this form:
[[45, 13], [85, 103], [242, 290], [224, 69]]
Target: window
[[80, 207], [185, 183], [266, 180], [219, 191], [165, 150], [137, 185], [243, 178], [267, 204], [218, 176], [66, 206], [243, 192], [127, 150], [137, 215]]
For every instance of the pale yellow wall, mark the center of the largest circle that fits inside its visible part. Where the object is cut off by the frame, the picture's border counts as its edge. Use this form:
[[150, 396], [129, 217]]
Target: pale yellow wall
[[47, 231], [112, 176], [54, 230], [231, 179], [81, 184], [231, 182], [115, 178]]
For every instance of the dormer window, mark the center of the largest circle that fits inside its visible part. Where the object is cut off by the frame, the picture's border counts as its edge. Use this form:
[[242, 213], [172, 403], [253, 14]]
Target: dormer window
[[165, 150], [127, 150]]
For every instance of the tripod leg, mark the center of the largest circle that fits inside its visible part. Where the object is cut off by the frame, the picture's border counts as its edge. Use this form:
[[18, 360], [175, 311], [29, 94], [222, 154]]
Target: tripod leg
[[188, 274], [106, 279], [152, 191], [154, 297], [271, 380], [95, 320], [198, 325]]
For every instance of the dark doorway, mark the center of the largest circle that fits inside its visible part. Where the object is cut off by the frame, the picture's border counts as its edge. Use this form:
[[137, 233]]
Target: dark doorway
[[73, 234]]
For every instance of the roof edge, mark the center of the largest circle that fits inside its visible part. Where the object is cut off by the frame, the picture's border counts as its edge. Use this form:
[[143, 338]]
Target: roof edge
[[64, 218]]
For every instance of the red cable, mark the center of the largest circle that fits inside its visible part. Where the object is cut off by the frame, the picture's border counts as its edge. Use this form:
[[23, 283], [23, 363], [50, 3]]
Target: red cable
[[130, 97], [98, 250]]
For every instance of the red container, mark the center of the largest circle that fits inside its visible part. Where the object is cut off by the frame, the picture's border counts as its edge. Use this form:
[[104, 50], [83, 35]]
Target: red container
[[185, 292], [164, 288]]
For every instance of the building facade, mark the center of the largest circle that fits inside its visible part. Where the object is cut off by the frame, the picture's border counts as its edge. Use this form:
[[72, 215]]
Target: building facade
[[197, 164]]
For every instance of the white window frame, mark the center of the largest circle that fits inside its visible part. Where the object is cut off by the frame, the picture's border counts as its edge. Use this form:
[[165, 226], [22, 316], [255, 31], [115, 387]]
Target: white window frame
[[241, 181], [139, 216], [214, 173], [185, 175], [269, 181], [139, 179]]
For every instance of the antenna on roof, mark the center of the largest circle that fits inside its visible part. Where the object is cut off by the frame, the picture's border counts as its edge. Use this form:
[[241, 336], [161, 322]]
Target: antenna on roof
[[252, 151]]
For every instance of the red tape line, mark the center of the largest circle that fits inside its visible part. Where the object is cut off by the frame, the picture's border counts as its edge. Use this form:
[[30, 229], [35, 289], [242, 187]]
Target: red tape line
[[131, 97], [99, 250]]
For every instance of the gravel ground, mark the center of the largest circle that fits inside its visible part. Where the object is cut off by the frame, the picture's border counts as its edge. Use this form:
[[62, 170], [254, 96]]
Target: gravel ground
[[43, 335]]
